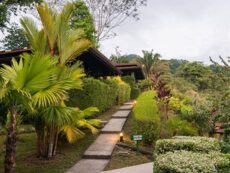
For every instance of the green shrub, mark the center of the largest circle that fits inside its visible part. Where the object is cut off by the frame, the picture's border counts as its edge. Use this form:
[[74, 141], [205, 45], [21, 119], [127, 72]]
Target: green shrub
[[135, 91], [112, 93], [146, 119], [100, 93], [225, 144], [196, 144], [145, 85], [123, 91], [177, 126], [191, 162], [95, 93]]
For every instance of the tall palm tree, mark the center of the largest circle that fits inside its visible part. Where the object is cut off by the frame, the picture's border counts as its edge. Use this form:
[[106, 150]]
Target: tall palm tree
[[57, 39], [148, 60], [17, 85]]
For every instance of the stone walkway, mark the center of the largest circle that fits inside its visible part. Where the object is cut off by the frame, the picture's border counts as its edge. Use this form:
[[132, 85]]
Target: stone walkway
[[143, 168], [97, 156]]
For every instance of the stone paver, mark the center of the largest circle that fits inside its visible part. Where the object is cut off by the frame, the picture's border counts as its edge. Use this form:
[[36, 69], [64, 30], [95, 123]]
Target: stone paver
[[97, 156], [121, 114], [89, 166], [115, 125], [102, 147], [143, 168], [126, 107]]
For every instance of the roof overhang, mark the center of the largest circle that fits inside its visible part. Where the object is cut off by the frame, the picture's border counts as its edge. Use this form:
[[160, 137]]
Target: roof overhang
[[131, 68]]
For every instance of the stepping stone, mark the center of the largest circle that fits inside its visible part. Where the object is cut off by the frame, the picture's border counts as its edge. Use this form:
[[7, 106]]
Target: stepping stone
[[143, 168], [89, 166], [126, 107], [115, 125], [121, 114], [102, 147]]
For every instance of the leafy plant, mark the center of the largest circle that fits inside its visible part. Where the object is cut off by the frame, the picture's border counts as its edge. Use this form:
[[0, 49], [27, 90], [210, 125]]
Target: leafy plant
[[177, 126]]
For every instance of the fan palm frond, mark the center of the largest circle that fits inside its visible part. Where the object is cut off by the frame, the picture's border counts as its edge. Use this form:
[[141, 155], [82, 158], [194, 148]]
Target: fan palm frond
[[57, 115], [72, 133]]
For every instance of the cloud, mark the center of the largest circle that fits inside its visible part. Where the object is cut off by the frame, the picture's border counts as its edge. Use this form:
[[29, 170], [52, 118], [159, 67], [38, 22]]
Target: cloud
[[192, 30]]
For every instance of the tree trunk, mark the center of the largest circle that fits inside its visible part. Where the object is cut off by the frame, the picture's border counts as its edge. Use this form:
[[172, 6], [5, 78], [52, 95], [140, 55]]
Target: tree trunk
[[11, 142]]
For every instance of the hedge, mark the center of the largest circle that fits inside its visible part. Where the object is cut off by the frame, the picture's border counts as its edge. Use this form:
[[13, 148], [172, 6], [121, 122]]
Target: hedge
[[196, 144], [124, 90], [191, 162], [94, 93], [100, 93], [135, 91], [146, 119]]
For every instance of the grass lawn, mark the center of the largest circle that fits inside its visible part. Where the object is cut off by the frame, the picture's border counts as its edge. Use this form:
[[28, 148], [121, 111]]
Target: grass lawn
[[67, 156], [123, 158]]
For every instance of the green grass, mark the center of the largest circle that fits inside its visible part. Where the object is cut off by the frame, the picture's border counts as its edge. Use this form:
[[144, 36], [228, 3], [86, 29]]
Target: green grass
[[120, 160], [146, 107], [146, 117], [67, 156]]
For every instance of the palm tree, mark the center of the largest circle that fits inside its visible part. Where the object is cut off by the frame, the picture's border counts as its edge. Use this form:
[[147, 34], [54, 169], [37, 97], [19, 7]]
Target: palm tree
[[57, 39], [148, 61], [17, 84]]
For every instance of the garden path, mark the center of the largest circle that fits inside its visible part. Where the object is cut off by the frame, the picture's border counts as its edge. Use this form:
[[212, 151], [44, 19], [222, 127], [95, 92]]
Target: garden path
[[97, 156]]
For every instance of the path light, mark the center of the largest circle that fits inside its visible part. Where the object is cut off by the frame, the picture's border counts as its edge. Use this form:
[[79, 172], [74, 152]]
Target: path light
[[121, 137]]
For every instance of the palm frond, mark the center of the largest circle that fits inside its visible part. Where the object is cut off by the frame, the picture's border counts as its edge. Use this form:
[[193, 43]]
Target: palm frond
[[57, 115], [72, 133], [47, 17]]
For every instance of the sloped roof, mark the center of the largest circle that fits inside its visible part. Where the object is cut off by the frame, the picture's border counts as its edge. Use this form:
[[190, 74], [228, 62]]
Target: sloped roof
[[94, 62]]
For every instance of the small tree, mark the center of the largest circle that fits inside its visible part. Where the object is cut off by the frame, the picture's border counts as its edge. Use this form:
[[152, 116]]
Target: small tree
[[59, 41]]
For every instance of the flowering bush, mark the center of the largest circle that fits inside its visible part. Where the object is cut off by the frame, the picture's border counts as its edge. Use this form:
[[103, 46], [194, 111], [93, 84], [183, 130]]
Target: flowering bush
[[196, 144], [191, 162]]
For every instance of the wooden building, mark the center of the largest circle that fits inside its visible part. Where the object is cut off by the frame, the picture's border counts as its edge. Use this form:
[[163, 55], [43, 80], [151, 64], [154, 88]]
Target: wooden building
[[94, 63]]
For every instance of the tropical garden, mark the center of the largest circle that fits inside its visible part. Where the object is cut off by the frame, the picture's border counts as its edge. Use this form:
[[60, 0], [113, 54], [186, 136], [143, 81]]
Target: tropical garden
[[51, 111]]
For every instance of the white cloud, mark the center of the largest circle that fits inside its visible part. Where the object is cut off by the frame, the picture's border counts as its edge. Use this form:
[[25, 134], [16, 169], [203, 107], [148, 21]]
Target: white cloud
[[192, 30]]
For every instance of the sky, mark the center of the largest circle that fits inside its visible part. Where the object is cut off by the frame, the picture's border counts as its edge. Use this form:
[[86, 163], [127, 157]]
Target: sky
[[181, 29]]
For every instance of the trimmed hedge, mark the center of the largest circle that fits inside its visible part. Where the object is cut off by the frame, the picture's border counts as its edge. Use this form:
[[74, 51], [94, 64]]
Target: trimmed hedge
[[196, 144], [146, 119], [190, 155], [100, 93], [94, 93], [135, 91], [124, 90], [191, 162]]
